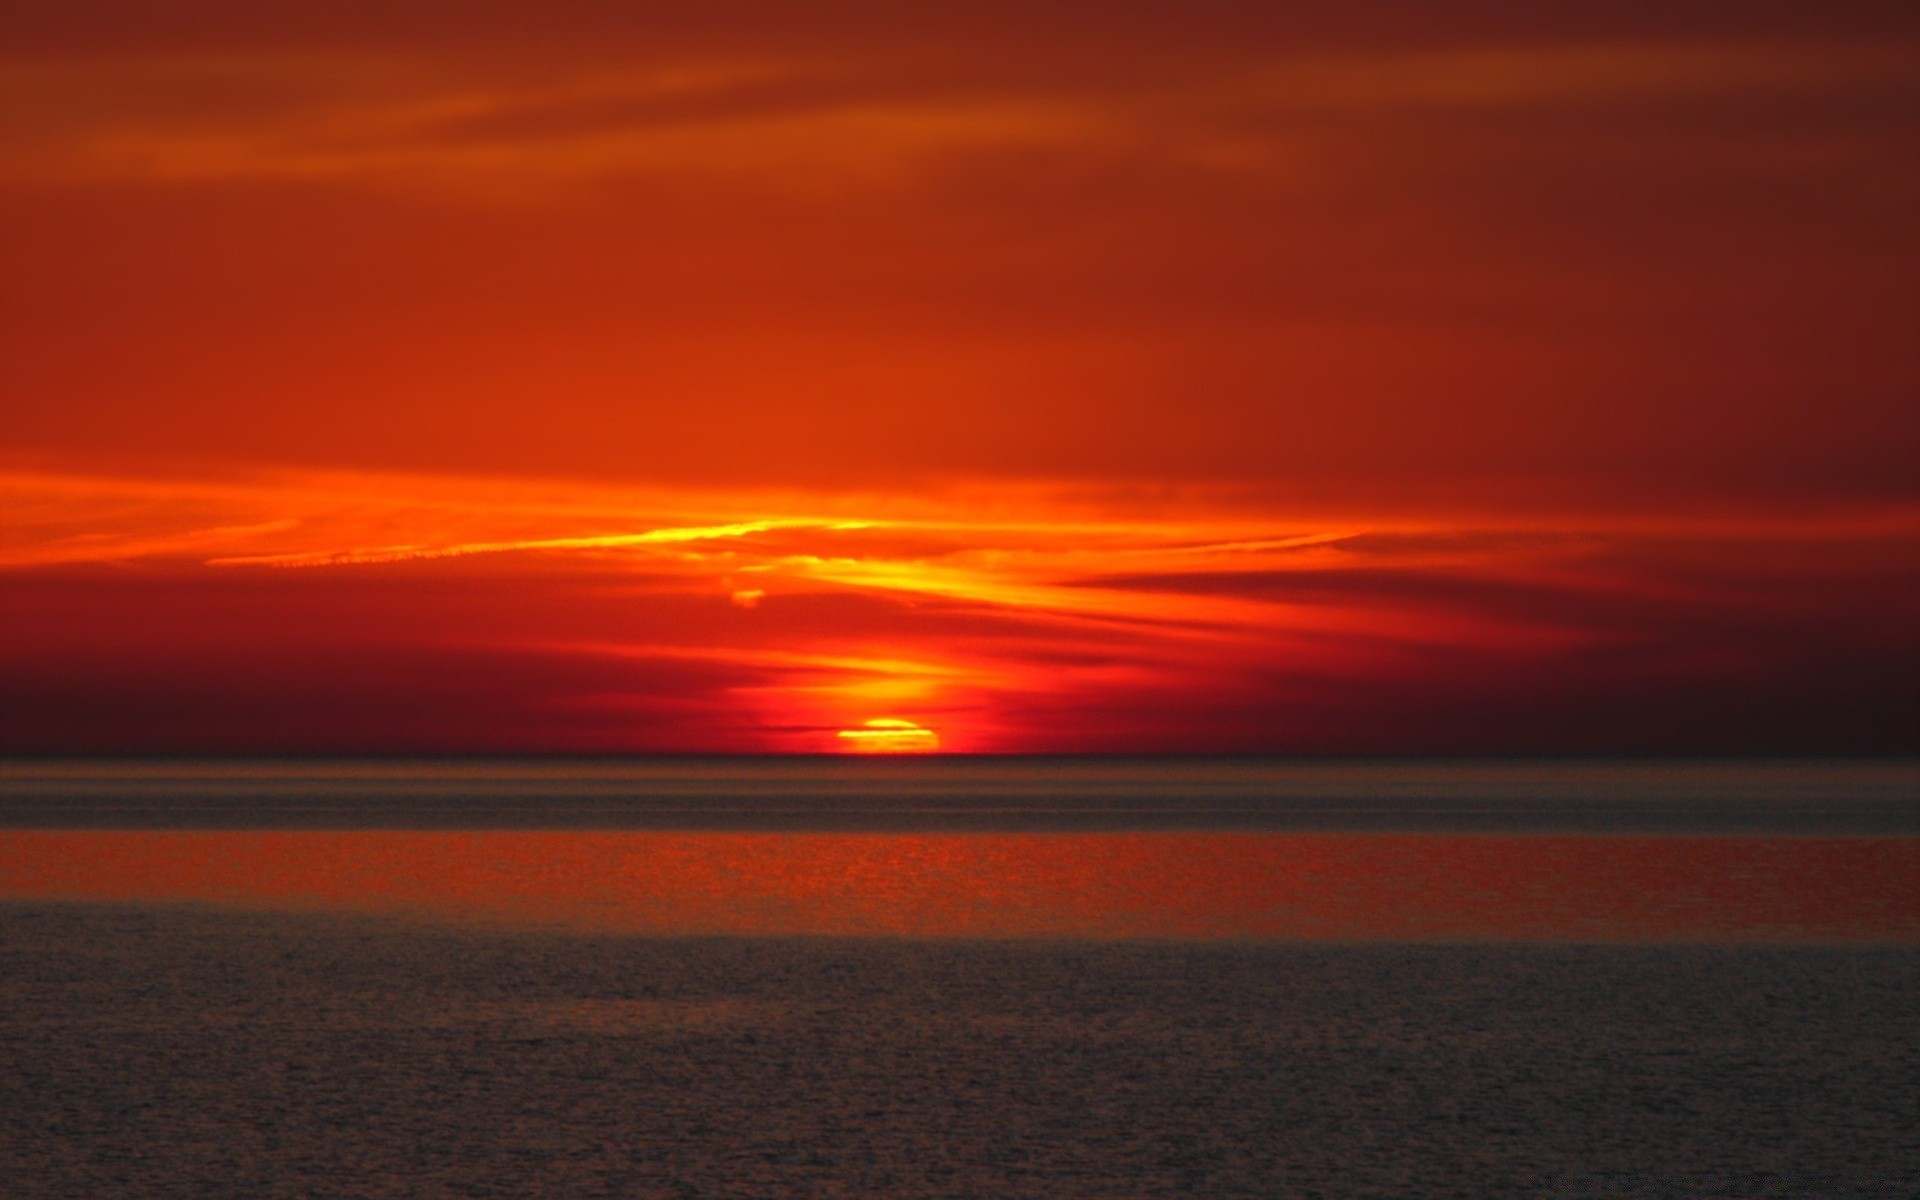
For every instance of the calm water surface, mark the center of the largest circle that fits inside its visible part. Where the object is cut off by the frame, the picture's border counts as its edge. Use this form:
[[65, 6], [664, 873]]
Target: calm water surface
[[959, 978], [971, 793]]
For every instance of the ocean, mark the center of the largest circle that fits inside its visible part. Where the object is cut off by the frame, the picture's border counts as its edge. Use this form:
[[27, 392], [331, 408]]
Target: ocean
[[941, 977]]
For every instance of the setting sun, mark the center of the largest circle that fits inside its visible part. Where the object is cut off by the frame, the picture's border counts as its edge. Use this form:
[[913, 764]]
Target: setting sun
[[889, 735]]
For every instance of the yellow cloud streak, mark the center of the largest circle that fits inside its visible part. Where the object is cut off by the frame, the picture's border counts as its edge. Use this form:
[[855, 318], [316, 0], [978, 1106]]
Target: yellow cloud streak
[[613, 541], [1016, 547], [791, 660]]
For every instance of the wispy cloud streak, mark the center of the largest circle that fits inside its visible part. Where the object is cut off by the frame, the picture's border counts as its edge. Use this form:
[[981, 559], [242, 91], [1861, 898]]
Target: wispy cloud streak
[[999, 621]]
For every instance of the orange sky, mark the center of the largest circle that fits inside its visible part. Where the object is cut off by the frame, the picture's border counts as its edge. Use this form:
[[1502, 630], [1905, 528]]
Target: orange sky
[[1488, 377]]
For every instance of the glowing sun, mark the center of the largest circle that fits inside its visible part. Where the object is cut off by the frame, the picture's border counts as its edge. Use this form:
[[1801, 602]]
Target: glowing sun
[[889, 735]]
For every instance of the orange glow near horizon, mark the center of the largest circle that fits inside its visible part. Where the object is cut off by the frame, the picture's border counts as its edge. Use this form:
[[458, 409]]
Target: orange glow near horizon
[[595, 618]]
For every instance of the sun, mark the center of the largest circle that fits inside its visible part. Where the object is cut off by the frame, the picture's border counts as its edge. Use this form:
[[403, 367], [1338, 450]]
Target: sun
[[889, 735]]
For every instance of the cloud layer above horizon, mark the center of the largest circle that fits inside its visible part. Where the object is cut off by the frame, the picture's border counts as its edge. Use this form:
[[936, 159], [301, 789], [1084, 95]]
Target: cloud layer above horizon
[[341, 613]]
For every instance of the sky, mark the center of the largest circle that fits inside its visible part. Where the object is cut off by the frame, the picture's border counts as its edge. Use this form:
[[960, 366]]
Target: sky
[[1393, 378]]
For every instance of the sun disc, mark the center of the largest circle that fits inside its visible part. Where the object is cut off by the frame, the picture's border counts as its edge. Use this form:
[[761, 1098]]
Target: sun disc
[[889, 735]]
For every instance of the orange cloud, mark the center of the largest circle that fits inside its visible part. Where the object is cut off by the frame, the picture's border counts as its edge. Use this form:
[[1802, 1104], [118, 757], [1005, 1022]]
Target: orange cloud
[[1005, 619]]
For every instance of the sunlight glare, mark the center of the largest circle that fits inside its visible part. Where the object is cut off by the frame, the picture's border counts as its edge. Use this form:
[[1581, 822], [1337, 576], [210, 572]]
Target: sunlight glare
[[889, 735]]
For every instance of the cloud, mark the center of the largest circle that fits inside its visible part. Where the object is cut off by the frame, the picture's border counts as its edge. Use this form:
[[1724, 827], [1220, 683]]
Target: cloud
[[1205, 244], [1226, 374], [807, 121], [1000, 622]]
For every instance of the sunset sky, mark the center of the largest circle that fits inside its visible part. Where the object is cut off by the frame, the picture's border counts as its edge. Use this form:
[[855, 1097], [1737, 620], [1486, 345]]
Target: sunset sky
[[1478, 378]]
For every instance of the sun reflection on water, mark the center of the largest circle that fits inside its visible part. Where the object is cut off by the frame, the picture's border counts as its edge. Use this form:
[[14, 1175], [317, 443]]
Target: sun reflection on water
[[1400, 887]]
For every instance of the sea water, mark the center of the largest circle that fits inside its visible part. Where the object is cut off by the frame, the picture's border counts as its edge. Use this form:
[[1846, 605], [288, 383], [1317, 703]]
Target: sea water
[[958, 978], [911, 792]]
